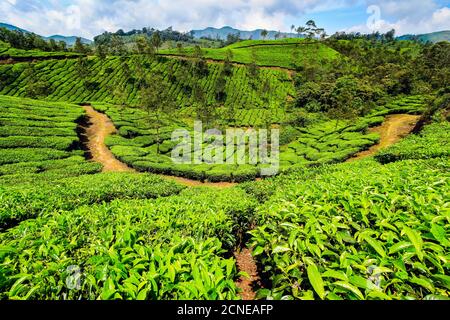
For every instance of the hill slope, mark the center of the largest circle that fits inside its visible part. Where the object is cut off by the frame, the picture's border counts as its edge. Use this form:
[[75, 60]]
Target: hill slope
[[278, 53], [12, 28], [64, 83], [70, 40], [429, 37]]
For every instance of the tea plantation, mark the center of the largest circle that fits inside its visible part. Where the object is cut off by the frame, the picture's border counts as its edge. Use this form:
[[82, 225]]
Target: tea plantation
[[323, 228]]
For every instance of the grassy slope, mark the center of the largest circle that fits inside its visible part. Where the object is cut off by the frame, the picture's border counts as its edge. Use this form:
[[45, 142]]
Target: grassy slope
[[65, 84], [7, 52], [277, 53]]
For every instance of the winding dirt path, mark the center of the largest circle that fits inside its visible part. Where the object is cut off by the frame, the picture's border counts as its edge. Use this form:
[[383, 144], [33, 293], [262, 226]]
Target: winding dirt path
[[394, 128], [100, 128]]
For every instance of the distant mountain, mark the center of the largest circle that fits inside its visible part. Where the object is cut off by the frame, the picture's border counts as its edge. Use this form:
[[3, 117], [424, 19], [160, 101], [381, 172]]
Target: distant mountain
[[70, 40], [222, 34], [12, 28], [429, 37]]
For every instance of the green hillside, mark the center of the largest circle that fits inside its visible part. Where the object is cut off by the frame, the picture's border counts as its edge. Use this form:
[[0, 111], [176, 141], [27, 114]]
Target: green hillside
[[7, 52], [285, 53], [341, 219], [63, 81], [433, 37], [358, 210]]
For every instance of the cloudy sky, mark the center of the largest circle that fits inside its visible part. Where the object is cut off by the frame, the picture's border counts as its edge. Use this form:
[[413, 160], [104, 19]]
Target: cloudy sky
[[91, 17]]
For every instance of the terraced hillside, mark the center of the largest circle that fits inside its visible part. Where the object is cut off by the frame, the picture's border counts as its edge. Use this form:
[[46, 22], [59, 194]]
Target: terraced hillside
[[98, 78], [324, 142], [374, 228], [14, 54], [285, 53], [40, 137]]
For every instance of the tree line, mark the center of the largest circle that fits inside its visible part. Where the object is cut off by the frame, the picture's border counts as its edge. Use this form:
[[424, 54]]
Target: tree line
[[29, 41]]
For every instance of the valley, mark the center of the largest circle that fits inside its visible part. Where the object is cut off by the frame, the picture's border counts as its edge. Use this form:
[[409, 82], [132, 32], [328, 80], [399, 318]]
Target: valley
[[357, 127]]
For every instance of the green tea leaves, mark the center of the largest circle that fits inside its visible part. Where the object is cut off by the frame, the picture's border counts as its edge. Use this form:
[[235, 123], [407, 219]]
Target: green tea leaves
[[416, 239], [316, 280]]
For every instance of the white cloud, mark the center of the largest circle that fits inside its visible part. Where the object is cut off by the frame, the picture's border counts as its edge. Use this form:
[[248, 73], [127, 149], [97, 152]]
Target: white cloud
[[437, 19]]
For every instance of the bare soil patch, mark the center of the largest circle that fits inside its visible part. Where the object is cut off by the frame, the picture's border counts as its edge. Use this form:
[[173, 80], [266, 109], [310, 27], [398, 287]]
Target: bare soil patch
[[393, 129], [247, 264]]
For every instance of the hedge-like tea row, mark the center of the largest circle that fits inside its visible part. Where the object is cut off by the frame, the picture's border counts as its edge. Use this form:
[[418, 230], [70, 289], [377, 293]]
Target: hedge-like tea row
[[38, 137], [22, 200], [355, 231], [169, 248]]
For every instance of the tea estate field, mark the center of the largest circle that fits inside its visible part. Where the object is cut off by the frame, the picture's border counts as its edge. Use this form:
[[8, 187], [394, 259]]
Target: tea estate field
[[376, 227], [360, 230]]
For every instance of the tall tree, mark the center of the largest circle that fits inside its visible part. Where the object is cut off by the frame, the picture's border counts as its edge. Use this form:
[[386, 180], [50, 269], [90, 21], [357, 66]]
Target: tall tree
[[204, 110], [156, 40], [228, 65], [53, 45], [79, 47], [144, 46], [253, 69], [62, 45], [301, 31], [264, 34], [82, 68], [157, 103], [180, 49], [101, 51], [200, 65], [117, 46]]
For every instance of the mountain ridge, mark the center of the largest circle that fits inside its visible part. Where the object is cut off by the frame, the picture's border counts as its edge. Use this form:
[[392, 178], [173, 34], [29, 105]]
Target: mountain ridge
[[223, 32], [70, 40]]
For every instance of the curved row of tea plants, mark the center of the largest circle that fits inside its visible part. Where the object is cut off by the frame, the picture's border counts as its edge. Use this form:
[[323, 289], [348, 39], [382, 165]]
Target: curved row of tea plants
[[38, 137]]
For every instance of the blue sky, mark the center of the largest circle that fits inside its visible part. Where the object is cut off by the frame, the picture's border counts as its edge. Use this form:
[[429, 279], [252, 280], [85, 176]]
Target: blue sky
[[91, 17]]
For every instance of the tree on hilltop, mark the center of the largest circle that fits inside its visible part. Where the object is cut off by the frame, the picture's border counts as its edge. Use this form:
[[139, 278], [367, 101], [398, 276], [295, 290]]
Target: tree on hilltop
[[79, 47], [156, 40], [264, 34]]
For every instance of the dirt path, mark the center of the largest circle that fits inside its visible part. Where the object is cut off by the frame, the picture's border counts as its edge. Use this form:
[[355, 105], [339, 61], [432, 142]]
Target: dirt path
[[394, 128], [246, 263], [100, 128]]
